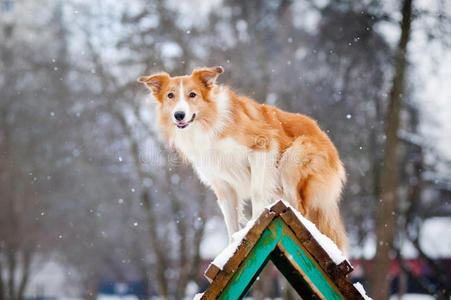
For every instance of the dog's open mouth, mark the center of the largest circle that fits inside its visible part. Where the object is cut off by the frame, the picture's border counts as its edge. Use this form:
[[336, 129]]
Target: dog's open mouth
[[185, 124]]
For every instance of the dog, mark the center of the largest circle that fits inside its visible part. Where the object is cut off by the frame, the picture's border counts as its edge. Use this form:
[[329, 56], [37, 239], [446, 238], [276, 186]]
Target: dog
[[245, 150]]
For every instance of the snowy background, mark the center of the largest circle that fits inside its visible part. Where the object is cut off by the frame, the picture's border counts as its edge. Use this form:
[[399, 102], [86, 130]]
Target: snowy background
[[91, 201]]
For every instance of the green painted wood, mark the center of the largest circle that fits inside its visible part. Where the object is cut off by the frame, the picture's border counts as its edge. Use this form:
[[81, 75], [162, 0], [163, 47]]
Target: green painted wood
[[289, 270], [258, 257], [253, 264], [309, 267]]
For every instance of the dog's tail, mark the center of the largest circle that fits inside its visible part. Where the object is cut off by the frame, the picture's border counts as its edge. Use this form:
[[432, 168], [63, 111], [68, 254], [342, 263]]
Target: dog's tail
[[323, 196], [329, 223]]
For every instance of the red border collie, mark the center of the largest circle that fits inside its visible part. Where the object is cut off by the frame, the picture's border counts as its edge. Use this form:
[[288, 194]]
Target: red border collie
[[245, 150]]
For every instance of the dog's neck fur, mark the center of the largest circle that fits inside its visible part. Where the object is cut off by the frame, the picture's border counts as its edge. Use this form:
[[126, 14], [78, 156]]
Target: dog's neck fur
[[221, 97]]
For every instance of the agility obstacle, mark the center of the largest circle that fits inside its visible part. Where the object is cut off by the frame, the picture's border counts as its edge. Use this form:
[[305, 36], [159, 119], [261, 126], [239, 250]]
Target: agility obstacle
[[310, 261]]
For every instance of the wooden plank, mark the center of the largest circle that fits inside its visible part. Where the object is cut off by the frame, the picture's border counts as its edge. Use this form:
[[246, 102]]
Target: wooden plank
[[291, 273], [244, 276], [216, 286], [308, 267], [347, 288], [240, 254], [211, 272], [311, 244], [336, 273], [278, 207], [260, 225], [345, 267]]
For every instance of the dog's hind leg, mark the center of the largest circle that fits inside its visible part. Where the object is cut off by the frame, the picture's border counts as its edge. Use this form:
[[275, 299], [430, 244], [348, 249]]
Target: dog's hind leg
[[293, 175]]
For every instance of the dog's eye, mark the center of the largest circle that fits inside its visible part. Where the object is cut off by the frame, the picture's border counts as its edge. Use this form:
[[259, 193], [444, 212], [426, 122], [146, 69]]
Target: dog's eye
[[171, 95], [192, 94]]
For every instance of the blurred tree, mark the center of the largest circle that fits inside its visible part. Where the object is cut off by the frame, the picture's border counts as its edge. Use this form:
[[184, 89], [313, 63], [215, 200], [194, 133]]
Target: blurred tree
[[388, 196], [20, 232], [173, 226]]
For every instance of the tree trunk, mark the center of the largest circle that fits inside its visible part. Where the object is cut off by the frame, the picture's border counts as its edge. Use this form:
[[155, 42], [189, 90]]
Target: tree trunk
[[196, 242], [11, 257], [27, 257], [402, 285], [2, 286], [158, 248], [385, 220]]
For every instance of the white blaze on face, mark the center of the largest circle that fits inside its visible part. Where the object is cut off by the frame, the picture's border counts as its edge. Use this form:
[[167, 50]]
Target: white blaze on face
[[182, 105]]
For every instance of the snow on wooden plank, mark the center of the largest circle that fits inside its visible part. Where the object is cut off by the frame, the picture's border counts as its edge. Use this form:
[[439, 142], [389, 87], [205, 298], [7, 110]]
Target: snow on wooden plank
[[243, 241], [325, 242]]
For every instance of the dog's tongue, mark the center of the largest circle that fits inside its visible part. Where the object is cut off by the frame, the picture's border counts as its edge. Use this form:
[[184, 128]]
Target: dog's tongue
[[182, 124]]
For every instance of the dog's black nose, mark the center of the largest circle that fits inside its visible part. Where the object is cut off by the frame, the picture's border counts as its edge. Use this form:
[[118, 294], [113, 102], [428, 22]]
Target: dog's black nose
[[179, 115]]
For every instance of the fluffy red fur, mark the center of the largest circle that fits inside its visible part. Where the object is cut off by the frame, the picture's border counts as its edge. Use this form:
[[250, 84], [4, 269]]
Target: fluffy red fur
[[254, 150]]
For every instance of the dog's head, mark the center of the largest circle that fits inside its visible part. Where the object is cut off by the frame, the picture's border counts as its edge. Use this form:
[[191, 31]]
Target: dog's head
[[183, 99]]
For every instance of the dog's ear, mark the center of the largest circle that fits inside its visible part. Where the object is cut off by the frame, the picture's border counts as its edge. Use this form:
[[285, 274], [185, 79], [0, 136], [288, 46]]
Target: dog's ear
[[207, 76], [155, 82]]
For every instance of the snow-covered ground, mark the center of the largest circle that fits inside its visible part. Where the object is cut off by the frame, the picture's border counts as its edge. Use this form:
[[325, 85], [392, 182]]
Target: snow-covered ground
[[413, 297], [114, 297], [50, 280]]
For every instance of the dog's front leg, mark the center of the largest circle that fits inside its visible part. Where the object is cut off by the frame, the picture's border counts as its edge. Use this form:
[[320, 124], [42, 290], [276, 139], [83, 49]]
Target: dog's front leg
[[265, 185], [228, 202]]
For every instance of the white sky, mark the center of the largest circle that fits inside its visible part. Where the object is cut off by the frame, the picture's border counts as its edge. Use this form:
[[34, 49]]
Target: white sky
[[430, 74], [434, 95]]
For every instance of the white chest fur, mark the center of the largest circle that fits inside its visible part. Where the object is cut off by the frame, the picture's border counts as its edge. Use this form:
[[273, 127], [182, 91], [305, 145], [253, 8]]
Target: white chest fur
[[215, 159]]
